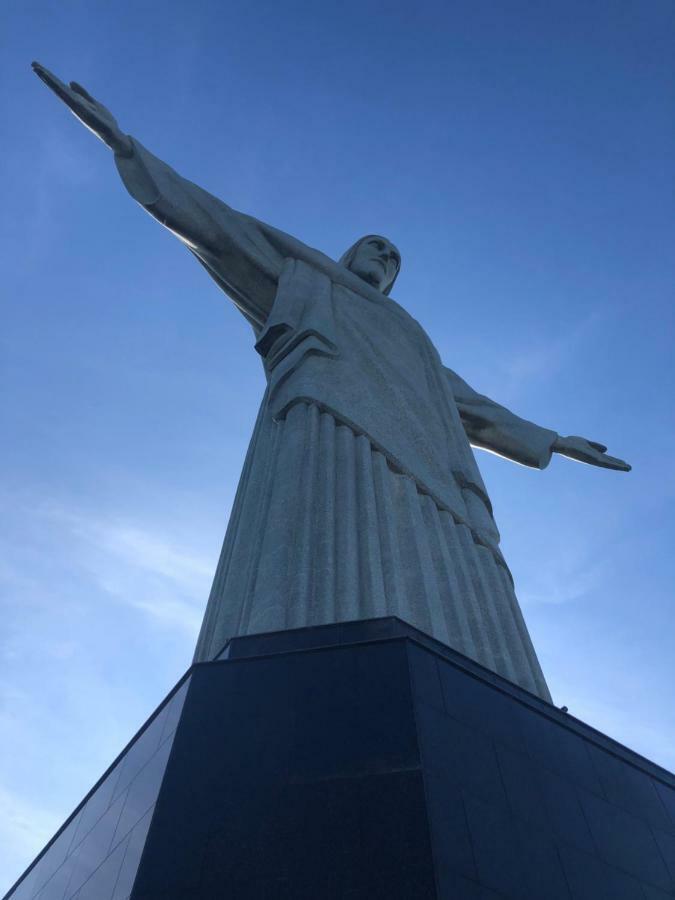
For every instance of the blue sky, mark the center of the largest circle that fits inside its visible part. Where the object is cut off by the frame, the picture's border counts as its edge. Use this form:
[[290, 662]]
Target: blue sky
[[519, 154]]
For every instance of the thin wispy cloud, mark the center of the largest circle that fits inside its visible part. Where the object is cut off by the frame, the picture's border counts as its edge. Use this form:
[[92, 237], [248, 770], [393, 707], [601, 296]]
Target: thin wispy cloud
[[25, 827], [144, 549], [527, 364], [134, 564], [539, 358], [546, 355], [58, 161], [66, 576], [563, 578]]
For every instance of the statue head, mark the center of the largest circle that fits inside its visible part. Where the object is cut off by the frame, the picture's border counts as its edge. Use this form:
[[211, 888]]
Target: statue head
[[374, 259]]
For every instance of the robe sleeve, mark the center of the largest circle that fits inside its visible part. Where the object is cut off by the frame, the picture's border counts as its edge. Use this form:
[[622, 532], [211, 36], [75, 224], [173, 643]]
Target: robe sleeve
[[493, 427], [233, 247]]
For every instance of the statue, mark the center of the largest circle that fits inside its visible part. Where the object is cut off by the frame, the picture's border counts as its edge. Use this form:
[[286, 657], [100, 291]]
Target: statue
[[360, 496]]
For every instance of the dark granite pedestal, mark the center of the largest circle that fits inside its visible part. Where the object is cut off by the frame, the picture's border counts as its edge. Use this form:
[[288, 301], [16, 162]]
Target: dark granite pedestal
[[357, 761]]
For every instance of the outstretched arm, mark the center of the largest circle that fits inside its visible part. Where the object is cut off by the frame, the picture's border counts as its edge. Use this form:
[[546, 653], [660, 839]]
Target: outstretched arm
[[233, 247], [493, 427]]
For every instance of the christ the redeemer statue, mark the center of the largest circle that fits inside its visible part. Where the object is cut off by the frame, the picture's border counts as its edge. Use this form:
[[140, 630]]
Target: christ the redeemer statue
[[360, 495]]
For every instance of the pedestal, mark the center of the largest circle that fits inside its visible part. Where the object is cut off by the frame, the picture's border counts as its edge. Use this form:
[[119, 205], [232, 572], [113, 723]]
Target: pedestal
[[360, 761]]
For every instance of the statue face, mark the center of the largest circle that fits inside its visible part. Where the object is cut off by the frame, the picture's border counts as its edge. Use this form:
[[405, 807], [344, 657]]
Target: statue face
[[377, 261]]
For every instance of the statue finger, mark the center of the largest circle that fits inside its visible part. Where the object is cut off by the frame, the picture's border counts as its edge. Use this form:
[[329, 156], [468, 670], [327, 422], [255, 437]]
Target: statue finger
[[55, 84], [81, 91], [612, 462], [48, 77], [596, 446]]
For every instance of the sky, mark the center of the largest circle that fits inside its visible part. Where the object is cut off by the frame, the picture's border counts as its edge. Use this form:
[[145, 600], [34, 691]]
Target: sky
[[519, 154]]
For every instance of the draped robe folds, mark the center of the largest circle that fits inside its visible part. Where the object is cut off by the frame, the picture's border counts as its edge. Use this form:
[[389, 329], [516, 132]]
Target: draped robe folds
[[360, 495]]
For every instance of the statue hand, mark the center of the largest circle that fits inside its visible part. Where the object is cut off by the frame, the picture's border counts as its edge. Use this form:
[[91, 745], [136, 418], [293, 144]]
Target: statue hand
[[588, 452], [90, 112]]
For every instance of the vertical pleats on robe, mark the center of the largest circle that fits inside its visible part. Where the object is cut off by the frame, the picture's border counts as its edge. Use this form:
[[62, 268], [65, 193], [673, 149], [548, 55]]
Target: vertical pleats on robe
[[324, 529]]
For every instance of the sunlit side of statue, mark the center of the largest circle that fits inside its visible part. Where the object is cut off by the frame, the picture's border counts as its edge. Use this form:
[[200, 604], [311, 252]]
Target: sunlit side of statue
[[360, 495]]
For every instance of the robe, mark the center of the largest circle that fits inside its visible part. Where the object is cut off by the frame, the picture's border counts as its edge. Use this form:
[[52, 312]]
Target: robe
[[360, 496]]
